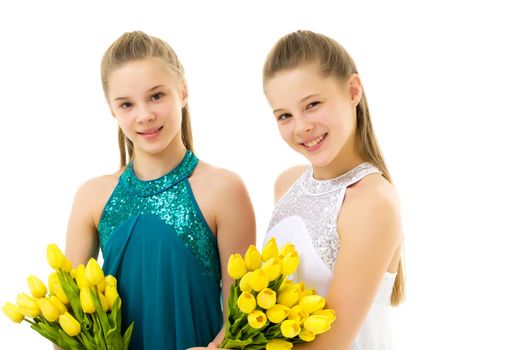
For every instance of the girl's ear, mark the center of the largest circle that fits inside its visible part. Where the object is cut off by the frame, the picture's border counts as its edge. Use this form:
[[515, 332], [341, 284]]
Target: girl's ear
[[355, 88], [184, 93]]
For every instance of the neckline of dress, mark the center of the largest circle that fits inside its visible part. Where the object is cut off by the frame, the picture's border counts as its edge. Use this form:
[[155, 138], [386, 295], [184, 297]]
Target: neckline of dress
[[314, 186], [145, 188]]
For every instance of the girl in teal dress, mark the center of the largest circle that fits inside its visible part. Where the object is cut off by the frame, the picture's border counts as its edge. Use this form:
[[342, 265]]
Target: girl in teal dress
[[166, 222]]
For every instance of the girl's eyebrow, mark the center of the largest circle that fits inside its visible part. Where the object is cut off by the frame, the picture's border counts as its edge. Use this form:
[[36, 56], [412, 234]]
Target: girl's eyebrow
[[302, 100], [127, 98]]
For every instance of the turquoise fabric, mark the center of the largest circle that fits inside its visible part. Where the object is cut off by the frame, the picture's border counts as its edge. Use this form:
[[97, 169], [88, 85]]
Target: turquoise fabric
[[157, 244]]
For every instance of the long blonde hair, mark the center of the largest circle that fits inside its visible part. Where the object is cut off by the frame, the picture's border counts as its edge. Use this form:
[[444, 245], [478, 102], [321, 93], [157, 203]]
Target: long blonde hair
[[134, 46], [304, 47]]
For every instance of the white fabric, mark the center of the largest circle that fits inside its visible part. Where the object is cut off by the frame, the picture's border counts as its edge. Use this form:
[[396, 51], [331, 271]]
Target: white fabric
[[374, 333]]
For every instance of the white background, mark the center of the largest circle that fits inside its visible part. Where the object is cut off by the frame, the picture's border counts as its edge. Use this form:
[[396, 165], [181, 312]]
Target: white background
[[445, 83]]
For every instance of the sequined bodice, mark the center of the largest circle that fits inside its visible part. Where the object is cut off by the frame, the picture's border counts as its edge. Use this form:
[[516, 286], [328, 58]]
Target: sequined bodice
[[318, 203], [171, 199]]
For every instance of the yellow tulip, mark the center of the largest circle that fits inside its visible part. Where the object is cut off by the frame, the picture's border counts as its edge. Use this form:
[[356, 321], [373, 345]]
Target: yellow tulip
[[298, 314], [102, 286], [69, 324], [270, 250], [86, 301], [290, 263], [258, 280], [236, 266], [306, 335], [244, 283], [290, 328], [59, 305], [300, 287], [80, 276], [252, 258], [111, 295], [286, 248], [55, 257], [285, 283], [312, 303], [66, 265], [279, 344], [27, 306], [317, 324], [73, 272], [272, 268], [288, 296], [111, 281], [307, 292], [36, 286], [257, 319], [49, 310], [11, 311], [55, 287], [94, 274], [103, 302], [266, 298], [277, 313], [330, 313], [246, 302]]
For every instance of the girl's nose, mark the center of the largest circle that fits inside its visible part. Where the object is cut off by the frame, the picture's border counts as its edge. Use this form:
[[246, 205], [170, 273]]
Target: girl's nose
[[303, 125], [145, 115]]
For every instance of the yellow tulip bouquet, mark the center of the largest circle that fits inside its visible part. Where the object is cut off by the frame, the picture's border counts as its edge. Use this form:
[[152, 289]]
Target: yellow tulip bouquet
[[265, 309], [82, 309]]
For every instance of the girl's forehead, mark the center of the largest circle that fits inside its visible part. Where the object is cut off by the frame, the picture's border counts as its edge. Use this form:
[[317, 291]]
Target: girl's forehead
[[295, 84], [139, 76]]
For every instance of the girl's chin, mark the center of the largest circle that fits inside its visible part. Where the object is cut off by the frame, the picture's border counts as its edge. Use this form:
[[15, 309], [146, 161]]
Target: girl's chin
[[318, 161]]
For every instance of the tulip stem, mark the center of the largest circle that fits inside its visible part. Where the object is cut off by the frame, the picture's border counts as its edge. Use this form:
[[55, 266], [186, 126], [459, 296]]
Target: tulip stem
[[28, 320]]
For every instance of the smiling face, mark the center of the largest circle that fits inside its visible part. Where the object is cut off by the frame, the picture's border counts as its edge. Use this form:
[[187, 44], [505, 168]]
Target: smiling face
[[147, 99], [316, 116]]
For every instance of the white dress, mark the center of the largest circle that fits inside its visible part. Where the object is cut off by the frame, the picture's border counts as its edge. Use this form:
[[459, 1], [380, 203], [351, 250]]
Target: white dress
[[306, 216]]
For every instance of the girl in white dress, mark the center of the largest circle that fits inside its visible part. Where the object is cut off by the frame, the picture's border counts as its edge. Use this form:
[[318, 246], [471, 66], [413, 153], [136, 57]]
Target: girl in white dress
[[341, 211]]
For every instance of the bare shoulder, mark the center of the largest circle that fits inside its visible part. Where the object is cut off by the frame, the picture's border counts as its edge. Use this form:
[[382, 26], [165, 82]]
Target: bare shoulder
[[373, 189], [93, 194], [372, 205], [98, 186], [216, 180], [286, 179]]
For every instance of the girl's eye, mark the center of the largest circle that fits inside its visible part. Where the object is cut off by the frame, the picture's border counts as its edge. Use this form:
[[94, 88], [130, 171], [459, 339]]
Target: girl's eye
[[284, 116], [125, 105], [157, 96], [312, 104]]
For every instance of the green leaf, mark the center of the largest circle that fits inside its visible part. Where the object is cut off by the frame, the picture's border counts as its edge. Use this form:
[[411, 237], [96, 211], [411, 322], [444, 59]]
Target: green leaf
[[100, 314], [67, 342], [72, 293], [98, 333], [237, 324], [46, 331], [235, 343], [127, 336], [87, 341]]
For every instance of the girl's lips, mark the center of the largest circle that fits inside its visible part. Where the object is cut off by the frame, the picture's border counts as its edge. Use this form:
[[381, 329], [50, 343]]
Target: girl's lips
[[314, 144], [150, 133]]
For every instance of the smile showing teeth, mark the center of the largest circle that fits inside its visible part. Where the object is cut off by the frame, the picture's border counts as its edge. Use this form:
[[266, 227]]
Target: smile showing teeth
[[315, 141]]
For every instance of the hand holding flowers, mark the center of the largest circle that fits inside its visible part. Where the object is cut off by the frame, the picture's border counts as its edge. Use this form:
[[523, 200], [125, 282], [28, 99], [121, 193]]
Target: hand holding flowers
[[266, 310], [80, 310]]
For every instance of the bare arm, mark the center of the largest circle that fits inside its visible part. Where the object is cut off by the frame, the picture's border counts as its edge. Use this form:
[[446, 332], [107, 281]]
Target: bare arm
[[235, 230], [370, 233], [81, 238]]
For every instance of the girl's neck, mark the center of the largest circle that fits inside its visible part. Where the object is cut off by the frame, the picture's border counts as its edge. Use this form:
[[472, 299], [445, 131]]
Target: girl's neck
[[149, 166], [347, 159]]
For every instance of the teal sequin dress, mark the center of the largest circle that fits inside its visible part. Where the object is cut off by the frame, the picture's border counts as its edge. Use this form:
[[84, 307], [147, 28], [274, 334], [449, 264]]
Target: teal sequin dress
[[155, 241]]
